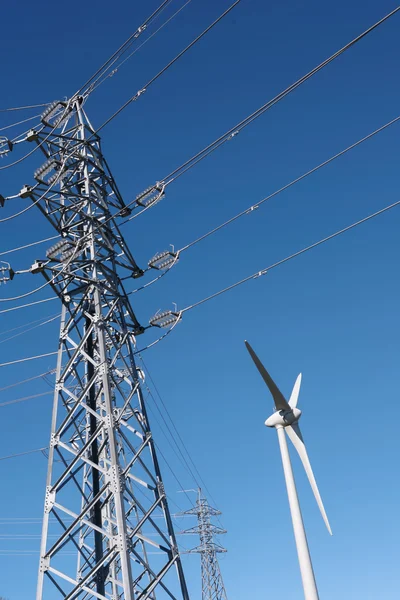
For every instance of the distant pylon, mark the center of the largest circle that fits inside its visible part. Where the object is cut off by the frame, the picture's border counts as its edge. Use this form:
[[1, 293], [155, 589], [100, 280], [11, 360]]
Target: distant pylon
[[211, 579]]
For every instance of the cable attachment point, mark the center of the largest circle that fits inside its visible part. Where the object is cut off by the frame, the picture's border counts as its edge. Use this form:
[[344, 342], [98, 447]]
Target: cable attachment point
[[6, 146], [51, 116], [234, 134], [37, 267], [26, 192], [6, 269], [163, 260], [32, 136], [166, 318], [50, 165], [151, 195]]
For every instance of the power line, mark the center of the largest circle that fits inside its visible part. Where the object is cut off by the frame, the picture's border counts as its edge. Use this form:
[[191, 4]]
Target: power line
[[30, 328], [53, 237], [291, 256], [28, 358], [50, 187], [26, 324], [125, 45], [164, 69], [249, 210], [23, 453], [233, 131], [41, 375], [6, 310], [19, 123], [31, 397], [177, 433], [180, 456], [117, 68], [24, 107], [253, 207]]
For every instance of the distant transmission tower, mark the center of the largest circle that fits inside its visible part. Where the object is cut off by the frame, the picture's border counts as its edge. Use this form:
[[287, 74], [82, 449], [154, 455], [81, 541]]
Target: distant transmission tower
[[212, 585], [107, 529]]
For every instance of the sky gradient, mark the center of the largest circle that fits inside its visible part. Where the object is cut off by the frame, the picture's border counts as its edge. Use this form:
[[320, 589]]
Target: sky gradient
[[331, 314]]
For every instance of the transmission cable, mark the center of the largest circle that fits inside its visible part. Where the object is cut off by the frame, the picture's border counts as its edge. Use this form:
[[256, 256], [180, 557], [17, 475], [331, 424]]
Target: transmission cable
[[117, 68], [250, 118], [291, 256], [49, 282], [181, 457], [23, 453], [164, 69], [26, 324], [30, 329], [123, 46], [178, 434], [28, 358], [135, 34], [31, 397], [24, 107], [29, 379], [53, 237], [252, 208], [231, 133], [6, 310], [18, 123]]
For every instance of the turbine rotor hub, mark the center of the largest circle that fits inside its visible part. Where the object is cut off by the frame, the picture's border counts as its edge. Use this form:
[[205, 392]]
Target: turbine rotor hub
[[283, 418]]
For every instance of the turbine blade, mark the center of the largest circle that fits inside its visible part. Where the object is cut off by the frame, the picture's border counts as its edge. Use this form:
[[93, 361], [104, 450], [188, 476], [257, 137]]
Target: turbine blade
[[296, 438], [295, 392], [280, 402]]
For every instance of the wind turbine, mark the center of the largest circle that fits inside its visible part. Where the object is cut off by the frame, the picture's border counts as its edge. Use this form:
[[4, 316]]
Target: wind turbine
[[285, 418]]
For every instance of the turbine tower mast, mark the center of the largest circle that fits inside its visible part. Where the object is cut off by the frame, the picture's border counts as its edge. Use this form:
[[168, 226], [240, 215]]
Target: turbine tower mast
[[107, 529], [285, 419], [212, 585]]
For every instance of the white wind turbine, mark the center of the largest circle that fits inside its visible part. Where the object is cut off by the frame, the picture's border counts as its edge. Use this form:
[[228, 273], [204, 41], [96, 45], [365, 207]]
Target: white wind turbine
[[285, 418]]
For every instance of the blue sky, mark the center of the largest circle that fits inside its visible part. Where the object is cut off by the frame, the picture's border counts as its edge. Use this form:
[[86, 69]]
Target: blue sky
[[332, 314]]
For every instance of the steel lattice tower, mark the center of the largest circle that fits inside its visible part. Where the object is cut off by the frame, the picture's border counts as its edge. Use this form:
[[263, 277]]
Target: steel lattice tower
[[107, 529], [212, 585]]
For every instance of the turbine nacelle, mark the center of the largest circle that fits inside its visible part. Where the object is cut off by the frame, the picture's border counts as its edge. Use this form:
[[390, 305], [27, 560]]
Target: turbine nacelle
[[283, 418]]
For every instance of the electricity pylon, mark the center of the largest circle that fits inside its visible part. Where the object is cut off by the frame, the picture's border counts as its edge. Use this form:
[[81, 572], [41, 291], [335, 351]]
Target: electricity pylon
[[107, 529], [212, 585]]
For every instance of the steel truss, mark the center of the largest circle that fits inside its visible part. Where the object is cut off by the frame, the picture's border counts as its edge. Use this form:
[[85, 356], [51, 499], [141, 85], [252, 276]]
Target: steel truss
[[107, 529], [212, 585]]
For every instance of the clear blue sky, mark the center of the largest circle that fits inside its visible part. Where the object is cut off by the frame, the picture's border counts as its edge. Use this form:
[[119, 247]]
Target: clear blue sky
[[332, 314]]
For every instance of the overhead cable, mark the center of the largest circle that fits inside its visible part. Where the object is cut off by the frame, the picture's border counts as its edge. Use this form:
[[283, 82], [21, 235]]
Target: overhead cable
[[53, 237], [23, 453], [252, 208], [117, 68], [291, 256], [123, 46], [6, 310], [28, 358], [30, 329], [164, 69], [250, 118], [178, 435], [29, 379], [5, 331], [24, 107], [19, 123], [31, 397]]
